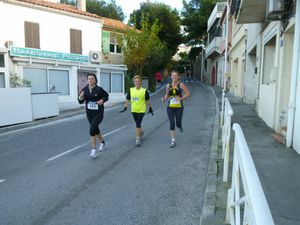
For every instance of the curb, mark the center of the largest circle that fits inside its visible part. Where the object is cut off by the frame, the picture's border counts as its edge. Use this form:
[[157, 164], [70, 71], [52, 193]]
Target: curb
[[210, 193], [209, 199]]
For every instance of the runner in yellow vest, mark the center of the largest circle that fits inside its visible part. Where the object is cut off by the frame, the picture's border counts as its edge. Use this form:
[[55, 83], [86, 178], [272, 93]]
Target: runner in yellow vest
[[139, 99]]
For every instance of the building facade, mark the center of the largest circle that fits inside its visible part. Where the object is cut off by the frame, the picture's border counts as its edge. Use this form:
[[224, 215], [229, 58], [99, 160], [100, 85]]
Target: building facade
[[264, 62], [54, 46]]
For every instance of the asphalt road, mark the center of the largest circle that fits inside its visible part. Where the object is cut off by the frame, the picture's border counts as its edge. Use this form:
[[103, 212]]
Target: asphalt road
[[47, 177]]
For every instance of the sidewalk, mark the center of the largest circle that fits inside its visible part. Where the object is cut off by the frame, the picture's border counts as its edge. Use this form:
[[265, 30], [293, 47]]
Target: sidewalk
[[278, 168]]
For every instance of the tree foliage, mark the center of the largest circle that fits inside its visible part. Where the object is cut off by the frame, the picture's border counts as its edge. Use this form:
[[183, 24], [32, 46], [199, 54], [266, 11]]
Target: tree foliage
[[108, 9], [144, 52], [195, 14], [166, 18]]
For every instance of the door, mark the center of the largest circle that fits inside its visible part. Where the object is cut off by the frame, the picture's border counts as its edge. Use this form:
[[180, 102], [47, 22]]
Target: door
[[213, 76], [81, 80]]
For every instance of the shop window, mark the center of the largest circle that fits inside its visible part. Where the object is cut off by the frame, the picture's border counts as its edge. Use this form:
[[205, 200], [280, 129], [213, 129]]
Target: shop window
[[75, 41], [32, 35], [117, 82], [2, 80], [112, 82], [59, 81], [44, 81], [38, 79], [2, 63], [105, 81]]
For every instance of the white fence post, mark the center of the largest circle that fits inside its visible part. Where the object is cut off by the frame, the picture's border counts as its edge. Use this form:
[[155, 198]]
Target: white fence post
[[256, 210], [226, 129], [222, 108]]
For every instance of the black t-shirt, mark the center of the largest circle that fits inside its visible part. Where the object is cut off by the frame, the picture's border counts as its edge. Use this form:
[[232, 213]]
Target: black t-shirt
[[91, 98]]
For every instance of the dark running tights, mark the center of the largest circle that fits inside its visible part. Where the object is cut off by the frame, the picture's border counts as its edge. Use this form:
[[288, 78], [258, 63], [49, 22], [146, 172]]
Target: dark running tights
[[175, 114], [138, 118], [94, 120]]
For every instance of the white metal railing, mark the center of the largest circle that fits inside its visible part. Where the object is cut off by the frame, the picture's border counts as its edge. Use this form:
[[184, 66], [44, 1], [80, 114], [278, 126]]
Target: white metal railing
[[226, 129], [253, 205]]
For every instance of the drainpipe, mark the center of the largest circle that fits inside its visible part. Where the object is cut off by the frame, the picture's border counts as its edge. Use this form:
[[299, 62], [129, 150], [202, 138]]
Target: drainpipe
[[225, 65], [295, 72]]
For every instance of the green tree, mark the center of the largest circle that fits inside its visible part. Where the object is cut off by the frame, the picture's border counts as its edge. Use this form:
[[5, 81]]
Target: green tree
[[195, 14], [108, 9], [166, 18], [144, 52]]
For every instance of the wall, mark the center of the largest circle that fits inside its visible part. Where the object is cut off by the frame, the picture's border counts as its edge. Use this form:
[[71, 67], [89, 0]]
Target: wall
[[113, 58], [252, 62], [237, 57], [269, 72], [16, 108], [284, 79]]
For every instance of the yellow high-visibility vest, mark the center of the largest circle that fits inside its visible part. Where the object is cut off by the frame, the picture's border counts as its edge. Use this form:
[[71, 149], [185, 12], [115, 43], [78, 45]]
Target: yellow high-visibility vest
[[137, 99]]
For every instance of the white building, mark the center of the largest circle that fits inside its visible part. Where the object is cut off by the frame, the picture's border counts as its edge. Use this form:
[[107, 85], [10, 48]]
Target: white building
[[54, 46], [271, 69], [213, 48]]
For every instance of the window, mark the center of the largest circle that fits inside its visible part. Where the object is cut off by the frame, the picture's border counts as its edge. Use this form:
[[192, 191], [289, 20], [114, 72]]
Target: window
[[75, 41], [44, 81], [32, 35], [2, 80], [111, 82], [114, 47], [2, 63]]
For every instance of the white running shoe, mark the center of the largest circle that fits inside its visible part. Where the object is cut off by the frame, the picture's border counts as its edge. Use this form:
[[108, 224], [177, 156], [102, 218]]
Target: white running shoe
[[93, 153], [102, 147], [173, 144], [138, 142]]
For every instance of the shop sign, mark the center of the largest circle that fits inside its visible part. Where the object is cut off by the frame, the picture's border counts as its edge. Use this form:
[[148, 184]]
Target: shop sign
[[37, 53]]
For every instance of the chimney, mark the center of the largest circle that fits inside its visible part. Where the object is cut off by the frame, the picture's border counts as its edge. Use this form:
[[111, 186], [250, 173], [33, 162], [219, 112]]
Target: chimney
[[81, 4]]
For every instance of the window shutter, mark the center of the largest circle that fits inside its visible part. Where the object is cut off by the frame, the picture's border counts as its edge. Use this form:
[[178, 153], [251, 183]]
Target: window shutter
[[105, 41], [75, 41], [32, 34]]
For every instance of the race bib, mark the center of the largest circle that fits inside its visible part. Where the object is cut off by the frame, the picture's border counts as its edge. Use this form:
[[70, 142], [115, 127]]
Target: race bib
[[92, 106], [174, 103]]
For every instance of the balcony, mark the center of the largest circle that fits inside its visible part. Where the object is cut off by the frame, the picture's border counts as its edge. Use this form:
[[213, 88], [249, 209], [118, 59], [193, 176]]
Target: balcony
[[251, 11], [216, 14], [214, 47]]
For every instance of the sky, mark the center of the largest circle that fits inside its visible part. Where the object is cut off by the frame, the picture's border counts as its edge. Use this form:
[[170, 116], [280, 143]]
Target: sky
[[129, 5]]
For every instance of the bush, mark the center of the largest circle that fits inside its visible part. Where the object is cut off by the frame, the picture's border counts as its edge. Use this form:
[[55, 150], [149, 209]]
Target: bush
[[17, 81]]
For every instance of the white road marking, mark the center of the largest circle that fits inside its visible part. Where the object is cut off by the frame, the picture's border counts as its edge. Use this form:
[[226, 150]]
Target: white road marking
[[66, 152], [77, 147], [58, 121], [1, 180], [114, 131]]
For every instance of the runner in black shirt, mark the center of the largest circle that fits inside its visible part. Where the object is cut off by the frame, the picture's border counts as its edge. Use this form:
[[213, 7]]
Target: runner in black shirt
[[94, 97]]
